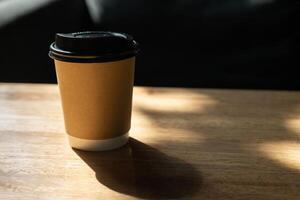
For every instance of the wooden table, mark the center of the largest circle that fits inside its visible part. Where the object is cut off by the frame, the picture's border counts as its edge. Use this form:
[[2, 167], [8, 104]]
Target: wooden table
[[186, 144]]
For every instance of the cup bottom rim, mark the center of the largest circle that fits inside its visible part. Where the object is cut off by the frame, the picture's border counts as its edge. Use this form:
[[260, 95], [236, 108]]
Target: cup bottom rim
[[98, 145]]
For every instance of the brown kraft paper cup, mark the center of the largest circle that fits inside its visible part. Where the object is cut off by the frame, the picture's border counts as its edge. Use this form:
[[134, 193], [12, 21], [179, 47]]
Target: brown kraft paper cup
[[97, 101]]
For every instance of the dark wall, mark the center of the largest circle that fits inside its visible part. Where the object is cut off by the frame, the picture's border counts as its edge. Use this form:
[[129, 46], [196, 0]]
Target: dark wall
[[230, 43], [187, 43], [25, 41]]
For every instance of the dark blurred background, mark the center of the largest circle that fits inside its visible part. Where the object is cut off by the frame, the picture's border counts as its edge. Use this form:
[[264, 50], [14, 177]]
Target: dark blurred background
[[186, 43]]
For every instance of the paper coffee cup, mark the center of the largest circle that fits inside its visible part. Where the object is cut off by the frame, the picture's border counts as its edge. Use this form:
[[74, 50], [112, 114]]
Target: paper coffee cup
[[95, 72]]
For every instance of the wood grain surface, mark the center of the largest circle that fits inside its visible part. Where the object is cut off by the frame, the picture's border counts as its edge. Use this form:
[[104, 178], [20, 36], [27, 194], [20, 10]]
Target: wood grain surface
[[185, 144]]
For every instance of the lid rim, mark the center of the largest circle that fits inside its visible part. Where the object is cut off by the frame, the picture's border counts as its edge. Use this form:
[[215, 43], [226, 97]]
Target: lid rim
[[91, 59], [69, 53], [90, 46]]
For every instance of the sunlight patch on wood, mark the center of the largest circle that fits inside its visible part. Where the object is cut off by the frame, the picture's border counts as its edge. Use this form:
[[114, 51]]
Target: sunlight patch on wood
[[172, 100], [293, 125], [287, 153]]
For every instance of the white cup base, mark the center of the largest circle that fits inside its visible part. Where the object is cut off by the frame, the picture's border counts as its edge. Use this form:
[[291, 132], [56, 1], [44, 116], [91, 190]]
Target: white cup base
[[98, 145]]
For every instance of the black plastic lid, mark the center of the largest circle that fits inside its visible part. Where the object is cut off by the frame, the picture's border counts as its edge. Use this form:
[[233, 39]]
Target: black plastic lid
[[93, 46]]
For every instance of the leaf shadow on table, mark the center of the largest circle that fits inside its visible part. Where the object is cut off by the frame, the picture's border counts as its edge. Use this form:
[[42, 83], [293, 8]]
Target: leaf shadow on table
[[243, 139], [142, 171]]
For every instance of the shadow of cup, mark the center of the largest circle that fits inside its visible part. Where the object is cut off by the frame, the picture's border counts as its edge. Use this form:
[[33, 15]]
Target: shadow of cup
[[142, 171]]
